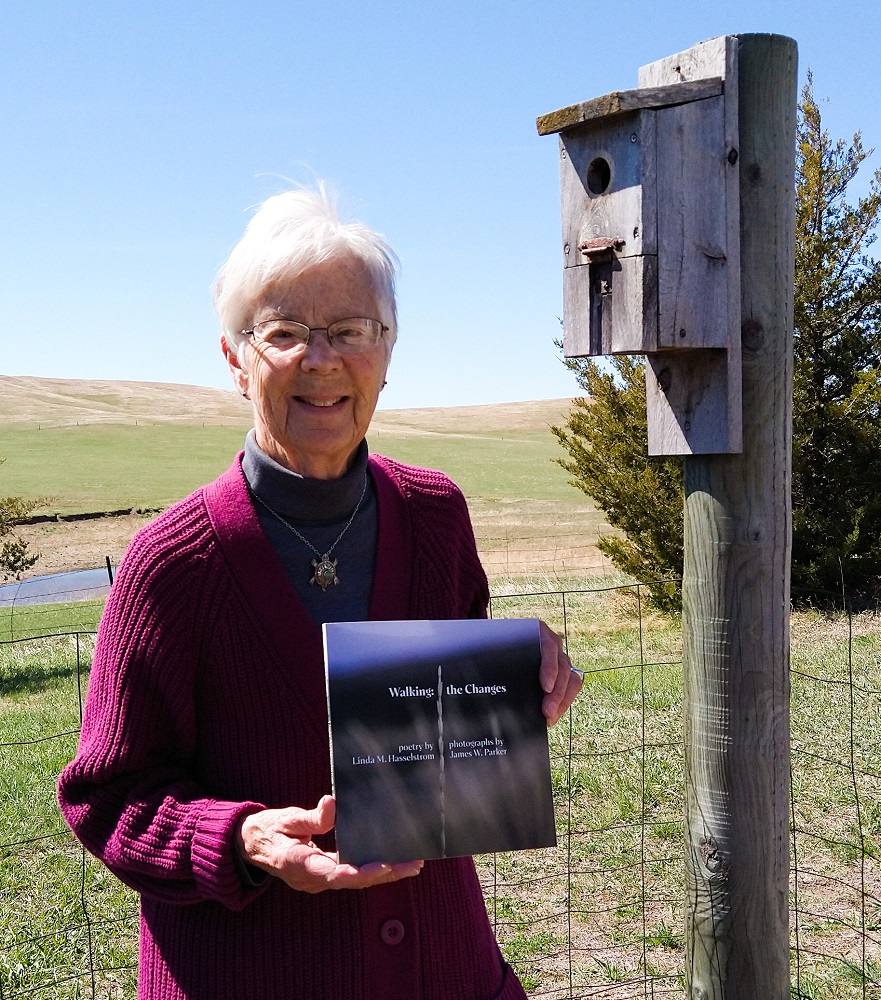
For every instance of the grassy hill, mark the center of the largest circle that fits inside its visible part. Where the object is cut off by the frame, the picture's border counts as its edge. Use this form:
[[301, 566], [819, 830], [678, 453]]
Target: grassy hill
[[97, 446], [106, 445]]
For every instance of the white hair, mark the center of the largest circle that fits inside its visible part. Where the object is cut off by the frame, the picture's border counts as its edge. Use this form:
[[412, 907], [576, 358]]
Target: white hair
[[290, 233]]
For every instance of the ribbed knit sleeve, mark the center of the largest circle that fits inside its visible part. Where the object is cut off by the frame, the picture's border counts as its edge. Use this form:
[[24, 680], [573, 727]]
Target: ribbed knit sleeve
[[132, 794]]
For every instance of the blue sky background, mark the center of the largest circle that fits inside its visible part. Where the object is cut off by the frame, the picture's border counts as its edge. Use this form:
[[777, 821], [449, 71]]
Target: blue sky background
[[137, 135]]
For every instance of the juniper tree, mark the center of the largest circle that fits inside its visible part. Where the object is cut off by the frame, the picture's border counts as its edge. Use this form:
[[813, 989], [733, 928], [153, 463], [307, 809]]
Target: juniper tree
[[606, 436], [836, 475], [15, 556], [836, 407]]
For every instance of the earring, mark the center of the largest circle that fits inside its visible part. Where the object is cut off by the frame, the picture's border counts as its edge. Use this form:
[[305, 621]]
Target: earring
[[384, 384]]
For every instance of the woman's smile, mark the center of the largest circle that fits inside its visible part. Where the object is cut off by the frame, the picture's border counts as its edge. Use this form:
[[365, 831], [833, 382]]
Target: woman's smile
[[323, 403], [313, 405]]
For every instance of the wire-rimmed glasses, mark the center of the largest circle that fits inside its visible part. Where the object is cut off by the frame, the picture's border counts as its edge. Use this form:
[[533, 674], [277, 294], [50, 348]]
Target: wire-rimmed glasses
[[345, 336]]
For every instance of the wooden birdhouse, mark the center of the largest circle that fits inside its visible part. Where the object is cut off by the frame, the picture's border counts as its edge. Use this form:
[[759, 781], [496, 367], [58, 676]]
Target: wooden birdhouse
[[651, 244]]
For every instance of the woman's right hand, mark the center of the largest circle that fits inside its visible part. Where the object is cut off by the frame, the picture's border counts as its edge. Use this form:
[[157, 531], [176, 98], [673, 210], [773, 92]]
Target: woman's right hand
[[280, 842]]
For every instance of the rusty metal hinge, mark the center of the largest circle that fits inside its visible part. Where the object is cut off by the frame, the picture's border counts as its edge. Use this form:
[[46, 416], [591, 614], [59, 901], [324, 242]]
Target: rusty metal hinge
[[599, 248]]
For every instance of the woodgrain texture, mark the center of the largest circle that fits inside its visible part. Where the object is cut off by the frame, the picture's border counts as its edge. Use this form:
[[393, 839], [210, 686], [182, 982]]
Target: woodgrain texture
[[699, 272], [707, 59], [653, 170], [625, 211], [694, 262], [736, 584], [689, 412], [629, 320], [622, 101]]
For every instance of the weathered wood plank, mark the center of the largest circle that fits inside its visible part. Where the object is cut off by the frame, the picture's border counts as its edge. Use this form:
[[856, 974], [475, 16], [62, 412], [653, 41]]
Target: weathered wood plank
[[716, 57], [692, 227], [670, 190], [629, 322], [703, 61], [626, 209], [621, 102], [699, 280], [687, 401]]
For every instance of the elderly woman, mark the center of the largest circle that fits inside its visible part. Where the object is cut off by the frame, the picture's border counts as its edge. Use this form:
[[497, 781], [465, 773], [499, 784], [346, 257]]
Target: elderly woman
[[202, 775]]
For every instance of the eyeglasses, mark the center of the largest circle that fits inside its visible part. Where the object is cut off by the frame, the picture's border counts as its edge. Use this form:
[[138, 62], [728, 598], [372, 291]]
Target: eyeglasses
[[346, 336]]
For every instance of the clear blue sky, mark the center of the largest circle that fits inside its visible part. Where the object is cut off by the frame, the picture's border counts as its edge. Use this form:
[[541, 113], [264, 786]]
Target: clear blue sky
[[136, 135]]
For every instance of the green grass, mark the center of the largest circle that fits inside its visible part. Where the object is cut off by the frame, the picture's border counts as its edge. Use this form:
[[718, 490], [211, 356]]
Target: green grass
[[57, 904], [836, 704], [526, 515], [619, 867], [81, 923], [26, 620], [40, 683], [114, 466], [111, 466], [487, 465], [618, 786]]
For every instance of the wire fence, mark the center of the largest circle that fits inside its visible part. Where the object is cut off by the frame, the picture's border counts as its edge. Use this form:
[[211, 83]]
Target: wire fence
[[599, 916]]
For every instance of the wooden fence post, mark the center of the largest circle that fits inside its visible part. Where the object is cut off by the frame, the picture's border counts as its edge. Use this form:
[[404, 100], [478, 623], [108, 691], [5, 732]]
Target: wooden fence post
[[736, 588]]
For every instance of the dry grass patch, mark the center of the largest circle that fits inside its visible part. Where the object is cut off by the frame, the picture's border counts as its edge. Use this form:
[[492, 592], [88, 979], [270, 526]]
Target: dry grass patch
[[502, 418], [72, 545], [57, 402]]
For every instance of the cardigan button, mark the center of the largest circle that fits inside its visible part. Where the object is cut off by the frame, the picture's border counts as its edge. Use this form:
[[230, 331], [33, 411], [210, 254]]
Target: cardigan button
[[392, 932]]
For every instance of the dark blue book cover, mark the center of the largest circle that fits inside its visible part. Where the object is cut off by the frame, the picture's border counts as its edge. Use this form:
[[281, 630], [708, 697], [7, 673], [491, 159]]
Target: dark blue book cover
[[438, 743]]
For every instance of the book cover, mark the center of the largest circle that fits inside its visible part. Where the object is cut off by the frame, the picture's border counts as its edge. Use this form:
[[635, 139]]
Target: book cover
[[438, 743]]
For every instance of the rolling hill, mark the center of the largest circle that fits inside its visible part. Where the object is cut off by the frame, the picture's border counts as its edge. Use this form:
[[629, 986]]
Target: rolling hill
[[93, 446]]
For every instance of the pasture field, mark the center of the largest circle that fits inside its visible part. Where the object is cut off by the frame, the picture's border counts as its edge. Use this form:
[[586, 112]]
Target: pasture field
[[595, 916], [100, 467], [116, 458], [130, 446], [113, 466]]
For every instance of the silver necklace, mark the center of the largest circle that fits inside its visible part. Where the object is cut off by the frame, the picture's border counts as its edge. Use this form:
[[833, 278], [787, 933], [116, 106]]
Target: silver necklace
[[324, 567]]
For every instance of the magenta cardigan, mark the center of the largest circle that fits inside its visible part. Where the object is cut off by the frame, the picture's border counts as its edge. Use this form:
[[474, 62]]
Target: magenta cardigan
[[206, 702]]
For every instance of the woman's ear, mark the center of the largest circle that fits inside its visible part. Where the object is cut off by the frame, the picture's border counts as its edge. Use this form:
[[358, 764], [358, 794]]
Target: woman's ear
[[239, 375]]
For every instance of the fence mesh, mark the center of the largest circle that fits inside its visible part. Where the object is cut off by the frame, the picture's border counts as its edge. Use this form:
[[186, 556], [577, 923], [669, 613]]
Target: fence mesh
[[601, 915]]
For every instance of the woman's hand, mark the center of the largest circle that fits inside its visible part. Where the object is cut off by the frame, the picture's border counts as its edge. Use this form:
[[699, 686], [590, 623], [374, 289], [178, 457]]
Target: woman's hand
[[559, 680], [280, 842]]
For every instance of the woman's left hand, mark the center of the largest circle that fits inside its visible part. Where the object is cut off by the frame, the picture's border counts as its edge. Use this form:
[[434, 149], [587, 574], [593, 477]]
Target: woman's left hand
[[559, 680]]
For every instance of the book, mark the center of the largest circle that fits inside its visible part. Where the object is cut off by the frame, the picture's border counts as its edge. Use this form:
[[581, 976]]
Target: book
[[439, 747]]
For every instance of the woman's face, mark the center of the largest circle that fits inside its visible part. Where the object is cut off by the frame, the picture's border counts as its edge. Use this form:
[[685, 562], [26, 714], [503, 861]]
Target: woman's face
[[312, 406]]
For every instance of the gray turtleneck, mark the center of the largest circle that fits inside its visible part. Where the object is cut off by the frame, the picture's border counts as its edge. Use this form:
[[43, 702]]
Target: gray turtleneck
[[319, 510]]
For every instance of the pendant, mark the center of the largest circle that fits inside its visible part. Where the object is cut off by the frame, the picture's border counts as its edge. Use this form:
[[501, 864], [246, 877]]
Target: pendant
[[325, 572]]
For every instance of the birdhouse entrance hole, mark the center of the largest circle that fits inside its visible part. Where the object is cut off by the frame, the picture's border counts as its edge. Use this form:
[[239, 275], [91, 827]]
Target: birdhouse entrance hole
[[599, 175]]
